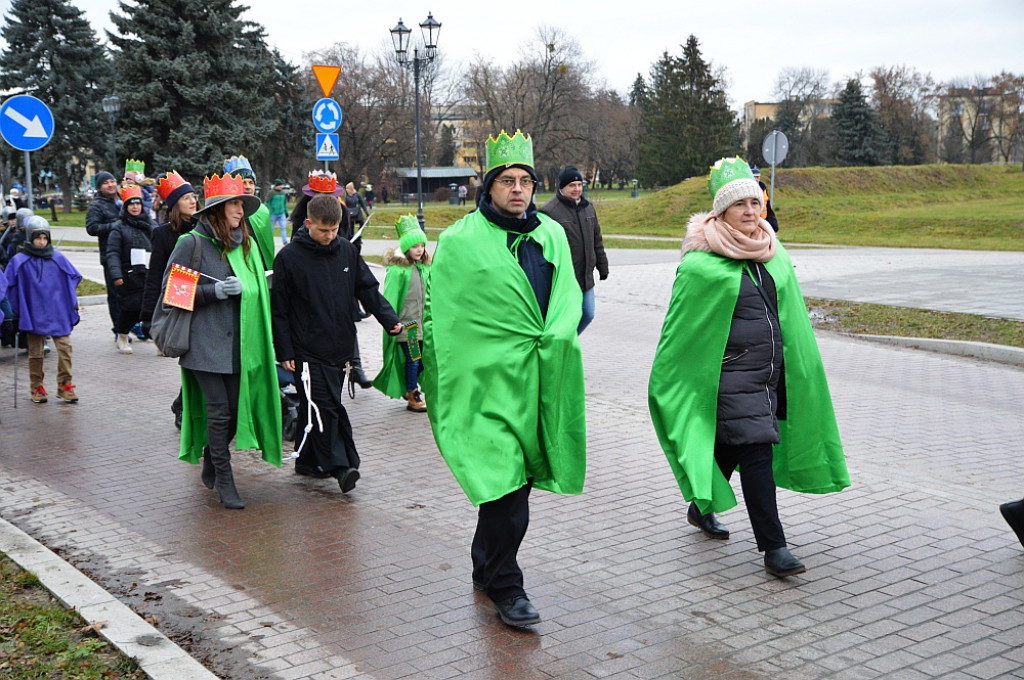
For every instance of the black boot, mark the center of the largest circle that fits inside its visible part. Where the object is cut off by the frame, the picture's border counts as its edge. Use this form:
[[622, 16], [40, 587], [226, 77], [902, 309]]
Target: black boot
[[1013, 513], [780, 562], [225, 482], [708, 523], [209, 475], [358, 377]]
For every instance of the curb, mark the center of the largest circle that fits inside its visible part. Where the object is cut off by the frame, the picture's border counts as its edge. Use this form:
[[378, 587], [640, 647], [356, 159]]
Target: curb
[[978, 350], [155, 653]]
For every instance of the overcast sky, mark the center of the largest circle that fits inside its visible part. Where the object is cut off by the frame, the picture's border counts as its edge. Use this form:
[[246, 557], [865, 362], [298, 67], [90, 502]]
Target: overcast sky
[[752, 40]]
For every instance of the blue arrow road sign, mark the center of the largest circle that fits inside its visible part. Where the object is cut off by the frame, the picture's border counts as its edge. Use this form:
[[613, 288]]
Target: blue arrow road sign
[[327, 115], [327, 147], [26, 123]]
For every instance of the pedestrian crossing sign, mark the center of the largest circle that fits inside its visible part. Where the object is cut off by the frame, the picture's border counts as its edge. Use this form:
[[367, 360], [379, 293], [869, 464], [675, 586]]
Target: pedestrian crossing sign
[[327, 147]]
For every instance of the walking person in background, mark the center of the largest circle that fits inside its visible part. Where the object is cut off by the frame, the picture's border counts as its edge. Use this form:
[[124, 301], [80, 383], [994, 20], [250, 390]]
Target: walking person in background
[[408, 268], [357, 210], [128, 251], [737, 379], [100, 218], [41, 285], [257, 224], [227, 392], [576, 214], [369, 196], [502, 369], [181, 204], [277, 204]]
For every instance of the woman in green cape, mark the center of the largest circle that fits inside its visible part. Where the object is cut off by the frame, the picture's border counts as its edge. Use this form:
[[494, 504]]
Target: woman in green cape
[[737, 380], [230, 388]]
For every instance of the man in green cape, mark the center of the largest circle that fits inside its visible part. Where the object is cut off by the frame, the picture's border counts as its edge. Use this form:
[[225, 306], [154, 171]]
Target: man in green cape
[[503, 373], [721, 394]]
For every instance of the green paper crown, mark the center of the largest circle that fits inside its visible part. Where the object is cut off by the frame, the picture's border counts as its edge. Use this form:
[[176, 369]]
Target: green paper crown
[[726, 170], [506, 151], [133, 165], [409, 232]]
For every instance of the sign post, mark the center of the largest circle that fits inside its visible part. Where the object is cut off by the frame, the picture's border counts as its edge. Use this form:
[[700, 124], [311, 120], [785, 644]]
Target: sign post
[[26, 123], [326, 114], [774, 150]]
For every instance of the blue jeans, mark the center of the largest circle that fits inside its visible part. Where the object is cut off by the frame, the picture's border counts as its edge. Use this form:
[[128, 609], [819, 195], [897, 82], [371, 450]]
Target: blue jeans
[[588, 311], [280, 220], [412, 369]]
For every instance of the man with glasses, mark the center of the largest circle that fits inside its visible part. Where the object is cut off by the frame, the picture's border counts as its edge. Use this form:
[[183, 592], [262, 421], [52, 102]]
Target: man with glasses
[[503, 373], [576, 214]]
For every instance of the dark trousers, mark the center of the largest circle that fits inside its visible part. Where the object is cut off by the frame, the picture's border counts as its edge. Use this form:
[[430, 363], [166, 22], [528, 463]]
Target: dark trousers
[[112, 304], [220, 390], [500, 528], [758, 483], [334, 449], [126, 318]]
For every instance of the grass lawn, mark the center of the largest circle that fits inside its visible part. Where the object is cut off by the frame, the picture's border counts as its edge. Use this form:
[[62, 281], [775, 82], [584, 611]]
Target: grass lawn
[[39, 638]]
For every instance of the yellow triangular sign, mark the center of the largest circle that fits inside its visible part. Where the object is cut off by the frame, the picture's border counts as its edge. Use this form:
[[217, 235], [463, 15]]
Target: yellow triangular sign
[[327, 76]]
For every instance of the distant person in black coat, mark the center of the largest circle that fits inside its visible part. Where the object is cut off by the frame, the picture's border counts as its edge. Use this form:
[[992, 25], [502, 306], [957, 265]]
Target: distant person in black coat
[[767, 213]]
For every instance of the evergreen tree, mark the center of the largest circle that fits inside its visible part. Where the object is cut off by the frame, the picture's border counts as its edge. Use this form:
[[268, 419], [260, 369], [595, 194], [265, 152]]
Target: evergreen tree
[[686, 123], [196, 84], [52, 54], [446, 154], [855, 128]]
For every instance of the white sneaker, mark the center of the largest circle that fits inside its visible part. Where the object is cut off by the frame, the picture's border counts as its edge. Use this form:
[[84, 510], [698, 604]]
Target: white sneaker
[[123, 345]]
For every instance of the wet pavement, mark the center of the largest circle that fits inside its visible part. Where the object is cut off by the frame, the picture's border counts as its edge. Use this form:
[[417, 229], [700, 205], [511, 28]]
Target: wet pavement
[[911, 571]]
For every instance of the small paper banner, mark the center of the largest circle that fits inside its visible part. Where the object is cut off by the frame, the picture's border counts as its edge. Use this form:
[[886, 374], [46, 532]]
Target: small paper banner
[[181, 287]]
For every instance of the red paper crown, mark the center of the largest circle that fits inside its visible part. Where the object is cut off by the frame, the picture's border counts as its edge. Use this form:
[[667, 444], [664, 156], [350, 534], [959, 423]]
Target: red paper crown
[[221, 186], [169, 183], [322, 182], [130, 192]]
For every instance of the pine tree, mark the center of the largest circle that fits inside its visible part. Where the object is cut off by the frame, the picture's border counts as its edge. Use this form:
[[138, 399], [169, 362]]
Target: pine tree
[[195, 82], [52, 54], [686, 123], [856, 128]]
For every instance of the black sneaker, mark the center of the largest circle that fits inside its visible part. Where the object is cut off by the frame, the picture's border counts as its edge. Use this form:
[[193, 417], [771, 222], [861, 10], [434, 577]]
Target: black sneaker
[[347, 479], [314, 471]]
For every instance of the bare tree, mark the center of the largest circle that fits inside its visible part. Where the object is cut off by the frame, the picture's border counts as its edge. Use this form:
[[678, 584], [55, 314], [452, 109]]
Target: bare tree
[[803, 113], [1008, 117], [969, 107], [902, 96], [544, 94]]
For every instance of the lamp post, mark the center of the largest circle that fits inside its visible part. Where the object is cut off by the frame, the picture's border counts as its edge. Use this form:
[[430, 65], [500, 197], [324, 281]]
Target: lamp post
[[111, 105], [400, 35]]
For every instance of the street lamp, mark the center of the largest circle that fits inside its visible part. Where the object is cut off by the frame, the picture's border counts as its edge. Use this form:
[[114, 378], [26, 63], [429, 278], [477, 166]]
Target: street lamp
[[400, 35], [111, 105]]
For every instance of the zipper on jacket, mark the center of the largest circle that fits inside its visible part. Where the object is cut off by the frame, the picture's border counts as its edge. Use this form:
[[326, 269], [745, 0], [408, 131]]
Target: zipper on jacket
[[758, 281]]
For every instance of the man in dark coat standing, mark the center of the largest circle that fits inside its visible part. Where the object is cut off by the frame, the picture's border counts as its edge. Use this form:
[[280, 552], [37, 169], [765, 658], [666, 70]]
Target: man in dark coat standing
[[577, 216], [104, 212]]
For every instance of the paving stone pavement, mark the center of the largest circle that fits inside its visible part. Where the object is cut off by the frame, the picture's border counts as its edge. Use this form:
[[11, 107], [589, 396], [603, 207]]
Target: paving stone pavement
[[911, 571]]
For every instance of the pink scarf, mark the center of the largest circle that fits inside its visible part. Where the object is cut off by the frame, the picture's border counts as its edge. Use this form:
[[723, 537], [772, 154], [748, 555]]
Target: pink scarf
[[728, 241]]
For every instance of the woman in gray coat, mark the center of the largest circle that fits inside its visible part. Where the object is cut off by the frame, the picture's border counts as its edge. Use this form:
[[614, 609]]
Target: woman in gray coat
[[230, 389]]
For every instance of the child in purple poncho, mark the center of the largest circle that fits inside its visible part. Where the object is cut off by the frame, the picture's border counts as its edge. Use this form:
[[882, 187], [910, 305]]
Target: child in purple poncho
[[41, 285]]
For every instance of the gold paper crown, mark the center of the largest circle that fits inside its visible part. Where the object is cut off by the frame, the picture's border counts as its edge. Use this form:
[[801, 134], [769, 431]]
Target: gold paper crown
[[134, 165], [506, 151], [323, 182], [224, 185], [130, 192], [166, 185]]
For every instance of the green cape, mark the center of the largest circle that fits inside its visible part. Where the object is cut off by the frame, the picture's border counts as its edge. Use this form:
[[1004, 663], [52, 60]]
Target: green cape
[[683, 388], [259, 396], [504, 386], [391, 379], [264, 234]]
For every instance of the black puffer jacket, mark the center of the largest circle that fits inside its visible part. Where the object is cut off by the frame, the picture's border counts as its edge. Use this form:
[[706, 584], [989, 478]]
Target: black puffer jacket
[[751, 384], [131, 232]]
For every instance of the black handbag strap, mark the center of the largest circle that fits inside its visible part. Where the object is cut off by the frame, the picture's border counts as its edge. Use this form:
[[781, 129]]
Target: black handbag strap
[[196, 254]]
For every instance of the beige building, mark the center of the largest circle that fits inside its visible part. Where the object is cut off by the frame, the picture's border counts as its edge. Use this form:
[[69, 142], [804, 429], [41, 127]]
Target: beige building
[[754, 111], [980, 125]]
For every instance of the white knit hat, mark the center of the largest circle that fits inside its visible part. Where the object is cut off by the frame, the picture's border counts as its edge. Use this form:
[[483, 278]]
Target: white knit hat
[[736, 190]]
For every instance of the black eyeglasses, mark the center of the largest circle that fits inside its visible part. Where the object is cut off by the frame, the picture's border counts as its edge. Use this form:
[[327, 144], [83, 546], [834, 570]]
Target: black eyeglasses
[[508, 182]]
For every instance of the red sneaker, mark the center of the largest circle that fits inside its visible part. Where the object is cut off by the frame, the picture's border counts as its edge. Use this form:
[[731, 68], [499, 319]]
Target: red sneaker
[[39, 395], [67, 392]]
